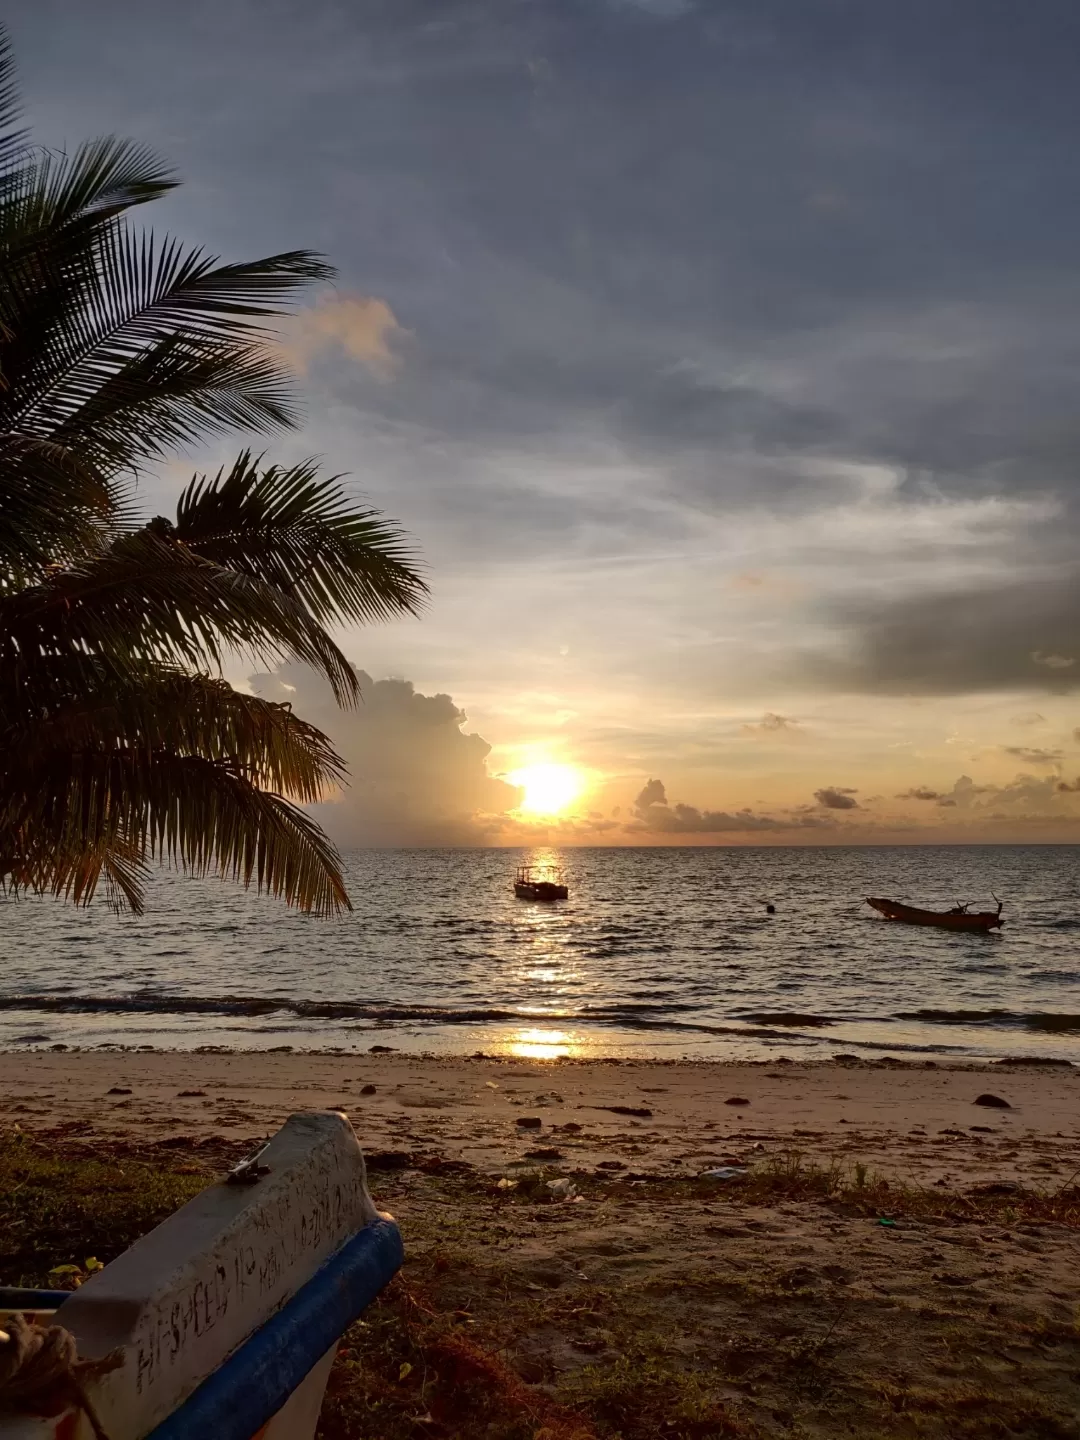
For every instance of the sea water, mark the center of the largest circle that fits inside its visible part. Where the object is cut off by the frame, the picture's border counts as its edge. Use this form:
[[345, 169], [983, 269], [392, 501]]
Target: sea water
[[660, 952]]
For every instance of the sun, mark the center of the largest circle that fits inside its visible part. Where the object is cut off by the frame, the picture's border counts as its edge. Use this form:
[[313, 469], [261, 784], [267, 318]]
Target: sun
[[549, 789]]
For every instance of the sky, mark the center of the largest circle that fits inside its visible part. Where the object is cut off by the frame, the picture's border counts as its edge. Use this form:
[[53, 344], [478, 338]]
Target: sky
[[720, 356]]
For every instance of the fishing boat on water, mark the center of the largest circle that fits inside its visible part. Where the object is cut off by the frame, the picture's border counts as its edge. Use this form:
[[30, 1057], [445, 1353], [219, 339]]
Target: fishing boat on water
[[539, 882], [958, 918]]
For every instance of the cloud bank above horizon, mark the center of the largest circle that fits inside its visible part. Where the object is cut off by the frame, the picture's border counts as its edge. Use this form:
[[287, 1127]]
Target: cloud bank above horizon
[[721, 357]]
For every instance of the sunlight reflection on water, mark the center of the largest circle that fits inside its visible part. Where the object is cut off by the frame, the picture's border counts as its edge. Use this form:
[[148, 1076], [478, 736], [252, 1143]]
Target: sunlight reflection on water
[[656, 952]]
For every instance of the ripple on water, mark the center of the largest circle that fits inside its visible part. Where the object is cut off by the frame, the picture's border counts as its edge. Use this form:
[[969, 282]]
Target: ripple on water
[[657, 944]]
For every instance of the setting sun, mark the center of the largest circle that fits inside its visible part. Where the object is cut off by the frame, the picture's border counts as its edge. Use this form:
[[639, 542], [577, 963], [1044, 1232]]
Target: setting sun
[[549, 789]]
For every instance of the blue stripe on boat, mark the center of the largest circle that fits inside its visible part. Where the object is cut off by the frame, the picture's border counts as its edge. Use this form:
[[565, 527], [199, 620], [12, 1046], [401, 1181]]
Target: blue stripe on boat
[[252, 1385]]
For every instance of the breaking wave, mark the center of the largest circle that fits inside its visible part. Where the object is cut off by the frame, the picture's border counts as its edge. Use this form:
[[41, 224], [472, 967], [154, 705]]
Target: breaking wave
[[1007, 1019]]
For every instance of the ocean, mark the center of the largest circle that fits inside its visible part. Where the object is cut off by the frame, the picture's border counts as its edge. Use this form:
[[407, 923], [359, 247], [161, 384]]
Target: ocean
[[658, 953]]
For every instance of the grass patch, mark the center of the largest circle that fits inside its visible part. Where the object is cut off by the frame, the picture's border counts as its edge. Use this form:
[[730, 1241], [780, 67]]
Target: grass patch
[[790, 1177], [64, 1208], [508, 1323]]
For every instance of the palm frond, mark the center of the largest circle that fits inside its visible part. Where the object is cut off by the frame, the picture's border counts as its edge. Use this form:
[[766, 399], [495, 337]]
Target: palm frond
[[12, 140], [54, 212], [156, 708], [116, 748], [94, 813], [174, 394], [159, 315], [298, 531], [149, 598], [55, 506]]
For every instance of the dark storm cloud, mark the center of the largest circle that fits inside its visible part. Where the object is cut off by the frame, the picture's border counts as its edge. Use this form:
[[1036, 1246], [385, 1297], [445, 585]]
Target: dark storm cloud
[[921, 792], [600, 212], [950, 642], [731, 243]]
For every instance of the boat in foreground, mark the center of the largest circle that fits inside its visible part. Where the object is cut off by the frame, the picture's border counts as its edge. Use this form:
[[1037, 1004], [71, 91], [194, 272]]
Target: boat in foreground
[[534, 882], [959, 918]]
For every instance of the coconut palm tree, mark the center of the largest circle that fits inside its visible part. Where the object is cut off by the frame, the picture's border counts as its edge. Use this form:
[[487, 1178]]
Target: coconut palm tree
[[120, 742]]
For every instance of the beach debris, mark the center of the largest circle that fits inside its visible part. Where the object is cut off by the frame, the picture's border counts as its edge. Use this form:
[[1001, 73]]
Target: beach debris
[[737, 1100], [995, 1102], [507, 1184], [996, 1187], [249, 1171], [1032, 1060], [638, 1110], [770, 909], [984, 1129], [368, 1089], [545, 1152], [571, 1127], [381, 1050], [529, 1122], [388, 1160], [610, 1165], [889, 1224], [725, 1172], [191, 1094], [118, 1090], [563, 1188], [492, 1084]]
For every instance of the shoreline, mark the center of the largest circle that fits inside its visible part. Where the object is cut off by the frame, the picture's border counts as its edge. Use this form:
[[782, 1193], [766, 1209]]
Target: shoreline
[[912, 1119]]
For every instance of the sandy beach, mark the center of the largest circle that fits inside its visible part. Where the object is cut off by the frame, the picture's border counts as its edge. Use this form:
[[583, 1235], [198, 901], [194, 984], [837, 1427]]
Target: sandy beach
[[913, 1122], [898, 1260]]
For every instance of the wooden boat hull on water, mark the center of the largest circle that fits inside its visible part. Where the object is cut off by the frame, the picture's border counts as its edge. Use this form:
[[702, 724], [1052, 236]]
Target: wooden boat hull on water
[[979, 922], [539, 890]]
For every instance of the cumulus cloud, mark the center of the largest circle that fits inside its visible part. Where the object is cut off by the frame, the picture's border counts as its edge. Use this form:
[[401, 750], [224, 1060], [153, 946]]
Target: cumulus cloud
[[417, 777], [1030, 797], [653, 812], [834, 797], [358, 325], [1053, 662], [920, 792]]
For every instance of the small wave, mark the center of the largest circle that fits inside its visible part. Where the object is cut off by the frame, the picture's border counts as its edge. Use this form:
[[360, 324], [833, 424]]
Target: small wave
[[252, 1005], [787, 1017], [1005, 1019]]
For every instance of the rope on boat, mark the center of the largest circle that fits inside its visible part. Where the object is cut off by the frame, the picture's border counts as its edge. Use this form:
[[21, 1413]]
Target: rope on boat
[[39, 1364]]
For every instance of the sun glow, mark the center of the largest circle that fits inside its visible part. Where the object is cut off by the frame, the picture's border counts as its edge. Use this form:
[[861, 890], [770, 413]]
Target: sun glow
[[542, 1044], [549, 789]]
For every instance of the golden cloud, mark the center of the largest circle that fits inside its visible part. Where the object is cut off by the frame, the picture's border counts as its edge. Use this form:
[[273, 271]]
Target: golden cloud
[[360, 325]]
